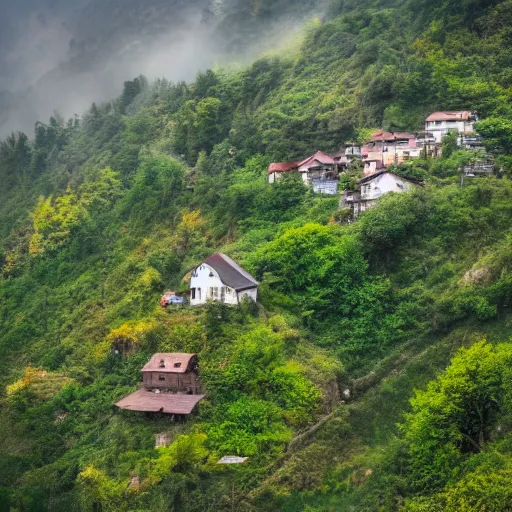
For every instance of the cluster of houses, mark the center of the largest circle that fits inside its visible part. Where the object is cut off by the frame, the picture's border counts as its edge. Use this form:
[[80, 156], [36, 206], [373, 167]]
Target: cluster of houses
[[321, 171], [171, 383]]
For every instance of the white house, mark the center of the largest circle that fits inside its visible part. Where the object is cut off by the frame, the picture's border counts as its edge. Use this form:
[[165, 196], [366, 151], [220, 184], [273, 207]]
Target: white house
[[440, 124], [222, 279], [371, 188]]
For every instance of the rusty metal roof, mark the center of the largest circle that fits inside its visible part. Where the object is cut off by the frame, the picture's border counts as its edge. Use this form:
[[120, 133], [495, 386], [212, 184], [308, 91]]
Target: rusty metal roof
[[282, 167], [166, 362], [320, 157], [450, 116], [230, 273], [168, 403]]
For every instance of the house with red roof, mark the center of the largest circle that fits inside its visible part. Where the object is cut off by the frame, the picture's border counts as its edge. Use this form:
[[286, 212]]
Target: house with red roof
[[461, 122], [319, 171], [387, 148]]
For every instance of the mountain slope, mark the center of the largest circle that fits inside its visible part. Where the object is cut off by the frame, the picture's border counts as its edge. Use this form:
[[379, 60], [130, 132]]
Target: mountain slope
[[100, 214]]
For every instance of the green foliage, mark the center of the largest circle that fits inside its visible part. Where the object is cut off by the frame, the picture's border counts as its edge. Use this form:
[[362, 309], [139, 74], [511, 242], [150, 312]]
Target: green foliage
[[97, 218], [457, 414], [248, 427]]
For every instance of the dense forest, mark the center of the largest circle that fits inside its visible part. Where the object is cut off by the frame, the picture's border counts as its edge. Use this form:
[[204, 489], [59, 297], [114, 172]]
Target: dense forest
[[374, 373]]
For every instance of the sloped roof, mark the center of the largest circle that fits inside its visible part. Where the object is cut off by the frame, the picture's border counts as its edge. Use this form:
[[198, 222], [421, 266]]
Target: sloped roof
[[173, 363], [146, 401], [231, 274], [282, 167], [320, 157], [371, 177], [462, 115], [381, 136]]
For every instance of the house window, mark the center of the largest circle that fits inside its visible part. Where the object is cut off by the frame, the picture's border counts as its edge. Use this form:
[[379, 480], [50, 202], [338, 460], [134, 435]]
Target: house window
[[162, 363], [177, 365], [214, 292], [439, 123], [161, 378], [228, 291], [193, 293], [199, 294]]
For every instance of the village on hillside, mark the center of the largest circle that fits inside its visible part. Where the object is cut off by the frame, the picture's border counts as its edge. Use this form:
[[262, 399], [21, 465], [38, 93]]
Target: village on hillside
[[171, 383], [377, 156]]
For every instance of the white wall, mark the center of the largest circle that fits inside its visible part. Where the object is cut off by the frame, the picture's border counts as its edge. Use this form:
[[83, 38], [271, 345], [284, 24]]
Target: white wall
[[441, 128], [204, 278], [384, 184]]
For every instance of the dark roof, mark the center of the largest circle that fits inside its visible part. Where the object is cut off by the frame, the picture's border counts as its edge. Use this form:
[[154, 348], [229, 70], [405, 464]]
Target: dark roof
[[230, 273], [173, 363], [371, 177], [147, 401]]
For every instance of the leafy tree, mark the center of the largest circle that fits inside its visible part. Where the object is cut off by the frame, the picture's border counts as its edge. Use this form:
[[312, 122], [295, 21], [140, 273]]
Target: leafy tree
[[456, 415]]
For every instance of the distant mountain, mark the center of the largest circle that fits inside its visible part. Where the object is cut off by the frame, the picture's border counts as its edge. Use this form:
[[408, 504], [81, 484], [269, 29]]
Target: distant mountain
[[70, 58]]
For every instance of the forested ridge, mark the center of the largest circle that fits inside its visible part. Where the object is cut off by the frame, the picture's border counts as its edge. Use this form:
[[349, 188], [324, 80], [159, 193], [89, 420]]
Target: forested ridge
[[373, 374]]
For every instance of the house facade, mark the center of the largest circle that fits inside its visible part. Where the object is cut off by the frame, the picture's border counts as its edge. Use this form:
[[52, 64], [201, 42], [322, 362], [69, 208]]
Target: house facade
[[219, 278], [439, 124], [319, 172], [171, 385], [386, 148], [373, 187]]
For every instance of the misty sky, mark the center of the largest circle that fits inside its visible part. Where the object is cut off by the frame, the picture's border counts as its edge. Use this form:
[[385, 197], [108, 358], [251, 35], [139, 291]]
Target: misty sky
[[34, 37], [63, 55]]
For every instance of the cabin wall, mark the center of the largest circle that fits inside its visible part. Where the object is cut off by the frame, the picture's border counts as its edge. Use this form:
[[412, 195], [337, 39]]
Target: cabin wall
[[184, 382]]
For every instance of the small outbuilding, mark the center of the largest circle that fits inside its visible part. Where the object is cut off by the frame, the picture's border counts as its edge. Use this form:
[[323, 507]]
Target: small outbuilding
[[220, 278], [171, 385]]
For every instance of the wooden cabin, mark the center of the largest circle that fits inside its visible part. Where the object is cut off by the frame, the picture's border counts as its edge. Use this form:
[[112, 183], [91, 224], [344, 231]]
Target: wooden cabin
[[171, 385], [174, 372]]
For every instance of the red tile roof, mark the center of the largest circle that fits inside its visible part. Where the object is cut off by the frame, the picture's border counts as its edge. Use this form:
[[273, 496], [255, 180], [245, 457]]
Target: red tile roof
[[381, 136], [173, 363], [463, 115], [320, 157], [282, 167], [169, 403]]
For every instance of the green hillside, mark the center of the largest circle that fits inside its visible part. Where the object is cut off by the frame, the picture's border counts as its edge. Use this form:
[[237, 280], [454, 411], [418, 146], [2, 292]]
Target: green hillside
[[315, 383]]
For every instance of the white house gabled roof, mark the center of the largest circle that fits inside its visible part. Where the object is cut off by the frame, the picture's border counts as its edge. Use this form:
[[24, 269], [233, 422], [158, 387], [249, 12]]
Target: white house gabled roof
[[376, 175], [230, 273]]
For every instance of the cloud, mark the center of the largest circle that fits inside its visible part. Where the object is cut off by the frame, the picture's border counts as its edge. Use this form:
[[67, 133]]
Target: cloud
[[62, 55]]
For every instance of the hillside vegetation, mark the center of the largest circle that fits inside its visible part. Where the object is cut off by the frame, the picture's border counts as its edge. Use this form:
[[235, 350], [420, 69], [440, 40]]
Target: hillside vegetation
[[374, 373]]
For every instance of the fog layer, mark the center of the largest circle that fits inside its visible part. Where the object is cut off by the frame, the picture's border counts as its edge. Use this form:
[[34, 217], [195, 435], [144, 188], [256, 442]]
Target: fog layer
[[58, 55]]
